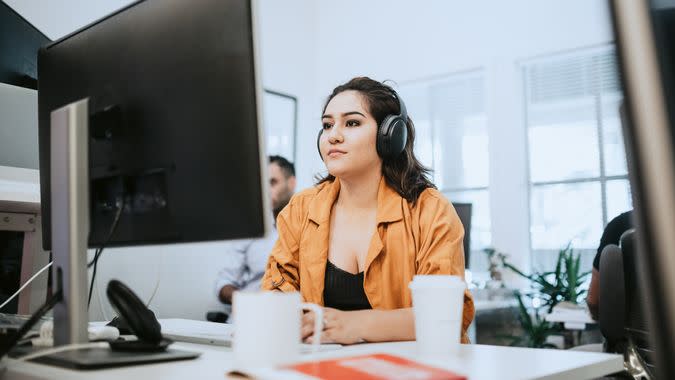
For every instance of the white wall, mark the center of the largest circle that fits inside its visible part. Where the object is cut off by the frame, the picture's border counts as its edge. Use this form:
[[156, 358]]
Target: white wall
[[57, 18], [288, 46]]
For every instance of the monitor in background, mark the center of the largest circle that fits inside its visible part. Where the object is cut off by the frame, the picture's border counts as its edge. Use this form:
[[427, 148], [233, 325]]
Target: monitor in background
[[19, 44], [151, 117], [464, 213], [645, 31]]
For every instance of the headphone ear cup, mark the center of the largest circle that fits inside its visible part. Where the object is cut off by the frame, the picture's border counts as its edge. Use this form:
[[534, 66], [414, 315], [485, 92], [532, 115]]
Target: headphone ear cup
[[130, 308], [392, 137], [382, 140], [398, 137]]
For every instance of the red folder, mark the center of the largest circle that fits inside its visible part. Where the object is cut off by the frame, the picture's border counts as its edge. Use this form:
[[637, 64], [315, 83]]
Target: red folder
[[372, 367]]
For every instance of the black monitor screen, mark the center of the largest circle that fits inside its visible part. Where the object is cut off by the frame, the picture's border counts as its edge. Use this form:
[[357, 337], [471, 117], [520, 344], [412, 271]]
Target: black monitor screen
[[174, 129]]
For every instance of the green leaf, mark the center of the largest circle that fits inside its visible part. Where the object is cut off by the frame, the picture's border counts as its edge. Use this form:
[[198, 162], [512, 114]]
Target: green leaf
[[524, 316], [517, 271]]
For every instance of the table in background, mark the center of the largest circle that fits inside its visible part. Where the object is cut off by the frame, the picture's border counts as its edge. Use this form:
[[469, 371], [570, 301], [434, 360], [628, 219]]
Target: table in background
[[575, 319]]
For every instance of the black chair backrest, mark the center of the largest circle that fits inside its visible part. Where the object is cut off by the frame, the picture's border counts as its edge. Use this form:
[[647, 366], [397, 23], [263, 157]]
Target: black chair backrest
[[623, 321], [464, 213], [612, 304], [636, 328]]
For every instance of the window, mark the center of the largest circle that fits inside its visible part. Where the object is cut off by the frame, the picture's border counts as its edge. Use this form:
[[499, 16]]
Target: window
[[280, 118], [451, 138], [577, 163]]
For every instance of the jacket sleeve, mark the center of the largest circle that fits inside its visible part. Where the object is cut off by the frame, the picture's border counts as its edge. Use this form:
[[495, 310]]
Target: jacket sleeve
[[282, 270], [442, 249]]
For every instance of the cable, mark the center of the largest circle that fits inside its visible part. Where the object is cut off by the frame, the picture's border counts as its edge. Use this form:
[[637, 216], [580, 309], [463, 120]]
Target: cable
[[120, 204], [93, 278], [67, 347], [25, 284], [97, 255], [91, 263], [51, 301], [101, 306], [120, 207], [159, 277], [100, 303]]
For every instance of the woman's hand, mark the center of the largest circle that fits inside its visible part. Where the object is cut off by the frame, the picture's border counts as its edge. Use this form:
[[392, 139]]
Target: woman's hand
[[343, 327]]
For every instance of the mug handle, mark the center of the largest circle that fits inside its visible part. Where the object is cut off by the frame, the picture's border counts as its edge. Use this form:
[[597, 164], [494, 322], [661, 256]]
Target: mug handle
[[318, 323]]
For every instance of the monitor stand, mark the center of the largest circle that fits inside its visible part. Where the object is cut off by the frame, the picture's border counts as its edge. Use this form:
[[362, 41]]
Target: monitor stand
[[103, 357], [70, 232]]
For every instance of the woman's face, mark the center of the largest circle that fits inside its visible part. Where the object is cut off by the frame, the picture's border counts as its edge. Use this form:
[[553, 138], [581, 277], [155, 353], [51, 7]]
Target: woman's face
[[347, 143]]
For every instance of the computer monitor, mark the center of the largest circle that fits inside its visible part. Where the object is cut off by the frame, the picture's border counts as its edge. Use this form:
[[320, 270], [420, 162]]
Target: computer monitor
[[645, 31], [181, 143], [19, 44], [464, 212], [171, 96]]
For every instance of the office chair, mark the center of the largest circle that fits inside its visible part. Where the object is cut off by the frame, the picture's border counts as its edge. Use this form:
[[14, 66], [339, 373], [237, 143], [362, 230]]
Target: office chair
[[622, 320], [464, 211], [217, 316]]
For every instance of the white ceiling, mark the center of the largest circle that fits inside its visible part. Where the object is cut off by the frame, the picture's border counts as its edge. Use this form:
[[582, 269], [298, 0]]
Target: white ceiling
[[57, 18]]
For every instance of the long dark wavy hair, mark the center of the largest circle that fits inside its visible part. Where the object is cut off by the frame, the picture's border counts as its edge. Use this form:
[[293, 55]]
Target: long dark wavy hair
[[405, 173]]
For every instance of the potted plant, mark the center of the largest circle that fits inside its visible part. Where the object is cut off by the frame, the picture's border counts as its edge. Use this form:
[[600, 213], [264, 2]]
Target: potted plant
[[548, 289], [562, 284], [536, 329]]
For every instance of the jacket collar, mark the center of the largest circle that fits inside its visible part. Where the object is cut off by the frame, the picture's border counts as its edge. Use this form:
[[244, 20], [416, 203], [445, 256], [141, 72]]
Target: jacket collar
[[389, 203]]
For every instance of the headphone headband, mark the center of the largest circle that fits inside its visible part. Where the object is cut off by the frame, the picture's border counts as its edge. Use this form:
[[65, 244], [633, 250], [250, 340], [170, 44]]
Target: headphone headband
[[403, 112]]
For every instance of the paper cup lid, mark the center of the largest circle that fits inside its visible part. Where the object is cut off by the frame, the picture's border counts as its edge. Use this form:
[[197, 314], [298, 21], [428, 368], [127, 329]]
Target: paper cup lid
[[436, 281]]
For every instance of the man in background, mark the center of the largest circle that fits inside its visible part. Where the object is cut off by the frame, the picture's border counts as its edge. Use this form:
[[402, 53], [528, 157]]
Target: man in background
[[247, 260]]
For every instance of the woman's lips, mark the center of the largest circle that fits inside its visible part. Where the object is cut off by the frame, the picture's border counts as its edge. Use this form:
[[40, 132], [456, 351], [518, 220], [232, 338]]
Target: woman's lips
[[336, 153]]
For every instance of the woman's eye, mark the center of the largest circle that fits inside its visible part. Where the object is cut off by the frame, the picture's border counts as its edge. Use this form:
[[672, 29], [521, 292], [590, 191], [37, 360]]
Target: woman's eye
[[353, 123], [327, 125]]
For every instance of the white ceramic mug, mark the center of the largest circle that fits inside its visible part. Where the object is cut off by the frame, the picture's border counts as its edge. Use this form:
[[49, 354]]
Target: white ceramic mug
[[267, 328], [438, 303]]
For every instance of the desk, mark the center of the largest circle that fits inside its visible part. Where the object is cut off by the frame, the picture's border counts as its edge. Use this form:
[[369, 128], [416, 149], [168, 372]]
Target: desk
[[574, 318], [475, 361]]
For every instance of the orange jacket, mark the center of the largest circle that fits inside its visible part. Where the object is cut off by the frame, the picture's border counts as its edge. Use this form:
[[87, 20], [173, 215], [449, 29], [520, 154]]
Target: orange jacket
[[424, 239]]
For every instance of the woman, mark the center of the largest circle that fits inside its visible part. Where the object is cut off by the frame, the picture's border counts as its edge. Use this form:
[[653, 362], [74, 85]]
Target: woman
[[354, 241]]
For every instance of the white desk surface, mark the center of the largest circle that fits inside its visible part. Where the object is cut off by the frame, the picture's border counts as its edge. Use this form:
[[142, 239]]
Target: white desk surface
[[20, 185], [474, 361], [574, 317]]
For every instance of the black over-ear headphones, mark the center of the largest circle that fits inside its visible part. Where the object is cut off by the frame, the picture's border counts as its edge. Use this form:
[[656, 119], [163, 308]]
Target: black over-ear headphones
[[392, 134], [135, 316]]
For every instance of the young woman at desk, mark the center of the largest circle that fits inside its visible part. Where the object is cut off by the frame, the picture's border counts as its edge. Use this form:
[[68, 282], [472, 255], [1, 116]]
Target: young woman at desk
[[353, 242]]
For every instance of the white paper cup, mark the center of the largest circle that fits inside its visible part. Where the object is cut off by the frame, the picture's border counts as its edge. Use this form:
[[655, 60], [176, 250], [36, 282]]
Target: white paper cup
[[438, 303]]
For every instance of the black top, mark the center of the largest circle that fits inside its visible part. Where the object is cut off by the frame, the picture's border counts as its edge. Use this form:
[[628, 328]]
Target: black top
[[612, 234], [344, 290]]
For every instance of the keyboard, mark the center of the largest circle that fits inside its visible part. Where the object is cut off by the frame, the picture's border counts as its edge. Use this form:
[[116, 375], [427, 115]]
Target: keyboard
[[12, 320], [217, 334]]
